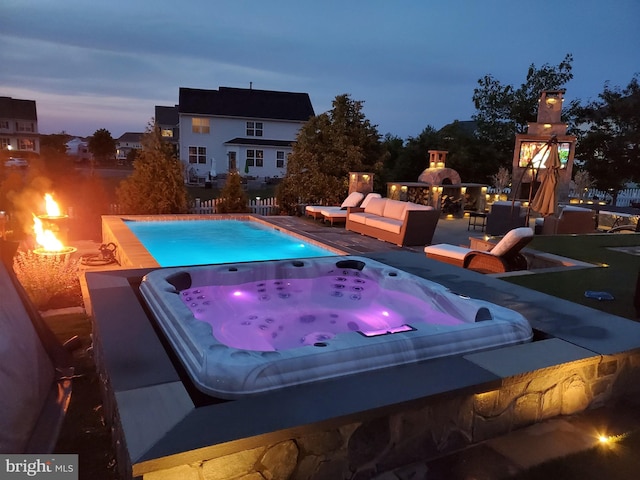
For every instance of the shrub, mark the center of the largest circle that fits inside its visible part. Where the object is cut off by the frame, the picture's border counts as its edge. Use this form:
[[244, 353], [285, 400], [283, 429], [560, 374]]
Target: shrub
[[45, 276]]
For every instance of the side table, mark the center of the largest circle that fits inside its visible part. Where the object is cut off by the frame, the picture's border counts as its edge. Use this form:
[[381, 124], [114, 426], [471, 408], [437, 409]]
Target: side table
[[477, 219]]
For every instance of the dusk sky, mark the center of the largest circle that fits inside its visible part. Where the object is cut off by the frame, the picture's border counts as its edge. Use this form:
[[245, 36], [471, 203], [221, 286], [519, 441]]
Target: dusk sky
[[107, 64]]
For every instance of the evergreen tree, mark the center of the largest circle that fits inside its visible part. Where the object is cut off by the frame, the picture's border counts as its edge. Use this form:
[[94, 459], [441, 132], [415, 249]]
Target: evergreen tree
[[327, 148], [233, 197], [156, 185]]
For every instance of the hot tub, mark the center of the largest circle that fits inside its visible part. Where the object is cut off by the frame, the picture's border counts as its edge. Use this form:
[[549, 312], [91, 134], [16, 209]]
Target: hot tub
[[246, 328]]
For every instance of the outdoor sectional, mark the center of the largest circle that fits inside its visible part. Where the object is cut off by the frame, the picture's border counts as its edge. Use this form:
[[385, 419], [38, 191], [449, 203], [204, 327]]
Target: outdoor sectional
[[402, 223]]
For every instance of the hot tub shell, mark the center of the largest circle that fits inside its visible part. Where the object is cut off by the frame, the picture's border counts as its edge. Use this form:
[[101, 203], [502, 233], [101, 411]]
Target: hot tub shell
[[226, 372]]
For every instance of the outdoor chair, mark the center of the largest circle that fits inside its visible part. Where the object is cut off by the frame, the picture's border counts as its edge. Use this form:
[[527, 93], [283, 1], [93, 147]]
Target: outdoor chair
[[339, 214], [315, 211], [505, 256], [505, 216], [571, 220], [36, 374]]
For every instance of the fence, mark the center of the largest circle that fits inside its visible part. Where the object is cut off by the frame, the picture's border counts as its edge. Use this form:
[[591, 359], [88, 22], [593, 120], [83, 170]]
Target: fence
[[257, 206], [626, 197]]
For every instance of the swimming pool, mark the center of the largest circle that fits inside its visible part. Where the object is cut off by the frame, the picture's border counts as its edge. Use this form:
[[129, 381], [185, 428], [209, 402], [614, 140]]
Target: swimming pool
[[242, 329], [175, 240]]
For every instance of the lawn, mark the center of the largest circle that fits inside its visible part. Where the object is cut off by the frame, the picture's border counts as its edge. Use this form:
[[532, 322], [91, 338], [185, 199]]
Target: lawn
[[617, 274]]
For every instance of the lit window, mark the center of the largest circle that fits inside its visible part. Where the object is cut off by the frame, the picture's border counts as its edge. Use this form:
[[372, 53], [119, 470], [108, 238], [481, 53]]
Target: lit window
[[279, 159], [254, 129], [200, 125], [4, 143], [167, 132], [26, 144], [255, 158], [197, 154]]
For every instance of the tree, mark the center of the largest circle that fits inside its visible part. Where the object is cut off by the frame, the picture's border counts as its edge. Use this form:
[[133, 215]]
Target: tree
[[609, 142], [327, 148], [102, 146], [156, 185], [414, 158], [233, 198], [503, 110]]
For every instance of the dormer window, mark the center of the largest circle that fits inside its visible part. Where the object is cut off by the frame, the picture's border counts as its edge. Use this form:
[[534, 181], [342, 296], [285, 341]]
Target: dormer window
[[254, 129]]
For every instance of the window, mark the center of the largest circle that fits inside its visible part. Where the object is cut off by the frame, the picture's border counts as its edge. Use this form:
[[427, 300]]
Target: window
[[4, 124], [254, 129], [167, 132], [197, 154], [200, 125], [26, 144], [5, 143], [279, 159], [255, 158], [24, 127]]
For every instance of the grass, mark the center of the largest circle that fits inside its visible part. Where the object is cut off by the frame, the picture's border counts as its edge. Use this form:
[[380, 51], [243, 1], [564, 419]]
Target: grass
[[617, 460], [618, 275]]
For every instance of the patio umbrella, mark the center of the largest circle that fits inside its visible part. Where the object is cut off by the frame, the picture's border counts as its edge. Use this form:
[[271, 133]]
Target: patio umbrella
[[544, 201]]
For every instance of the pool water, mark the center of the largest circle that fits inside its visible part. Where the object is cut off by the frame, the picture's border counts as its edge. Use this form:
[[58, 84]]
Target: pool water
[[199, 242]]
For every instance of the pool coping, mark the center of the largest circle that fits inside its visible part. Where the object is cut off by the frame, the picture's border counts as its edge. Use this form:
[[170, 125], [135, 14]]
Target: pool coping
[[160, 421], [131, 253]]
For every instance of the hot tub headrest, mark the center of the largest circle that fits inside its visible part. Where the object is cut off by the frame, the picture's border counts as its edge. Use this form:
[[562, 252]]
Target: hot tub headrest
[[180, 280], [353, 264]]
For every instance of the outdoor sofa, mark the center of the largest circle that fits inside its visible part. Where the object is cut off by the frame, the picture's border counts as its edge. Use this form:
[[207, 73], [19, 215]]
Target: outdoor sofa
[[570, 220], [505, 216], [394, 221]]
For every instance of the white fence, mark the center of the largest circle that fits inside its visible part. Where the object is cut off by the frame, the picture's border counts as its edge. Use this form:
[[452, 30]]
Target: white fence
[[625, 197], [257, 206]]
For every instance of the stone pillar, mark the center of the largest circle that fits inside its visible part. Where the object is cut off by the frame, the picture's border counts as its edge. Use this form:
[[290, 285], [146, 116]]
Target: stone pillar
[[360, 182]]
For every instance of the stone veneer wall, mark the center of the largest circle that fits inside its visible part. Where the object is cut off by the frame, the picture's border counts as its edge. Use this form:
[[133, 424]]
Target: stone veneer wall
[[442, 425]]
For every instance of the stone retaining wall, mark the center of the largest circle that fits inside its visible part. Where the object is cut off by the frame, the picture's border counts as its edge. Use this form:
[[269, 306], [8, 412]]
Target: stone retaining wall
[[439, 426]]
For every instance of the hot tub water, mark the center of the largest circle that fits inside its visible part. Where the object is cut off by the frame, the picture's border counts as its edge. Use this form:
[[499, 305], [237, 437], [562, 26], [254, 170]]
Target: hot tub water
[[242, 329]]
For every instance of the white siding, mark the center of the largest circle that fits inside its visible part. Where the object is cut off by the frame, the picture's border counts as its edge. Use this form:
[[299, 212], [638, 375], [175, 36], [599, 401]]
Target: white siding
[[222, 130]]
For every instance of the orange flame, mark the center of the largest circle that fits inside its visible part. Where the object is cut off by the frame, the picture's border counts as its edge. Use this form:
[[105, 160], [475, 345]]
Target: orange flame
[[46, 238], [53, 210]]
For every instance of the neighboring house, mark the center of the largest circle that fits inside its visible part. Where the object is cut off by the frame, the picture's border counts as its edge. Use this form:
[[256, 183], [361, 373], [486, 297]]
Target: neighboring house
[[78, 148], [167, 119], [237, 129], [128, 141], [19, 125]]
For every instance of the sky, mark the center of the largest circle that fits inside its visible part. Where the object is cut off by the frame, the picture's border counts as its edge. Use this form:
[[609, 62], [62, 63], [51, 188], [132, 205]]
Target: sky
[[92, 64]]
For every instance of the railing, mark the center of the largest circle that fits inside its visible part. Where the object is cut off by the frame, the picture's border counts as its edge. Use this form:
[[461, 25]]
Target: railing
[[257, 206]]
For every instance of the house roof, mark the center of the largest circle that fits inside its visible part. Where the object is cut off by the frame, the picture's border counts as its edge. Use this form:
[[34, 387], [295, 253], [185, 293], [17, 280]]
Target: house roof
[[246, 103], [131, 137], [259, 142], [167, 115], [19, 109]]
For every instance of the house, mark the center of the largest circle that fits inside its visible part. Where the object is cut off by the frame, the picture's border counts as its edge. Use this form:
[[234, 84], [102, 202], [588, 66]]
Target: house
[[19, 125], [167, 119], [125, 143], [78, 149], [238, 129]]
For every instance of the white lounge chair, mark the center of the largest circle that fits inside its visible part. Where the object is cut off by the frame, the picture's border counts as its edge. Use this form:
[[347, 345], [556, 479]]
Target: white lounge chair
[[353, 200], [339, 214]]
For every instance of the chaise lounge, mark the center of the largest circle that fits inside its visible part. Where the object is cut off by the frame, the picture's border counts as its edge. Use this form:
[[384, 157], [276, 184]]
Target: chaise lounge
[[315, 211], [505, 256], [402, 223], [339, 214]]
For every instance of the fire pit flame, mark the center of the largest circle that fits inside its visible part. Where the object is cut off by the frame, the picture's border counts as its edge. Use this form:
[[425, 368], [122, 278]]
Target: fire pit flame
[[46, 237]]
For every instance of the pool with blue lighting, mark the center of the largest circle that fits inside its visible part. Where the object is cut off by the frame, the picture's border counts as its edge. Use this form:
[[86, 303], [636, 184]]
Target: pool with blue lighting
[[200, 242]]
